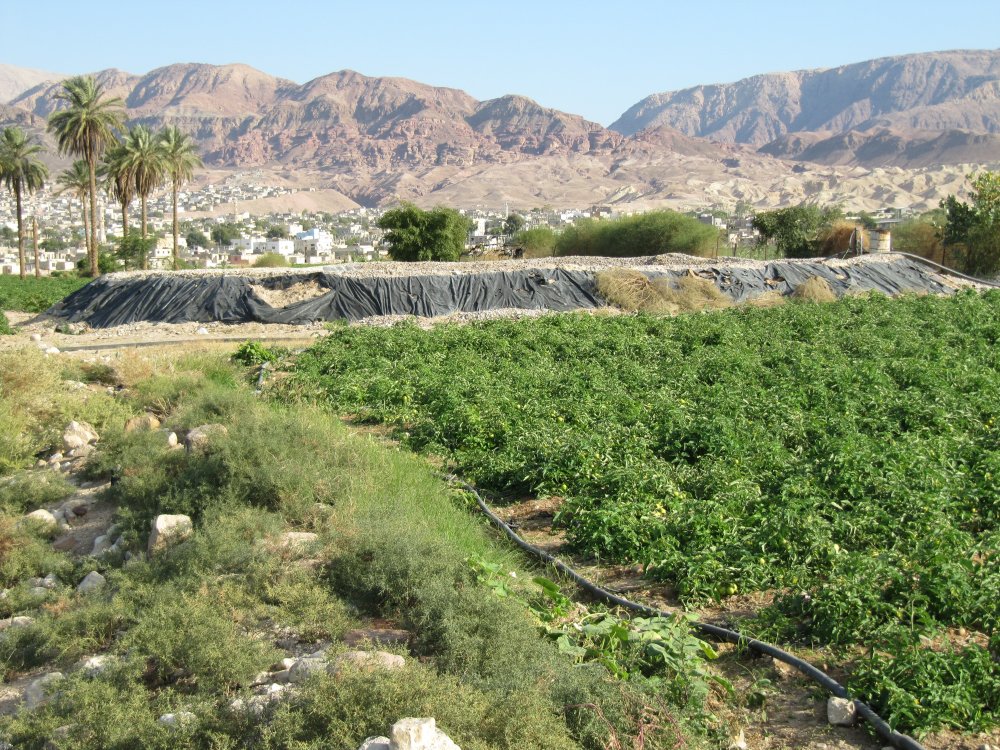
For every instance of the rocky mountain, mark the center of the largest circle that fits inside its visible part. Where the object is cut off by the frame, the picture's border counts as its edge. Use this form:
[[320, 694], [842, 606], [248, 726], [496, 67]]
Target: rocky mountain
[[14, 80], [351, 137], [937, 91]]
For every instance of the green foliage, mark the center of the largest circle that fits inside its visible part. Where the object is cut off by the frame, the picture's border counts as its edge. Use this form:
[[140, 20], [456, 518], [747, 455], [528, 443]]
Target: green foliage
[[651, 233], [196, 238], [795, 230], [133, 251], [5, 329], [513, 224], [277, 232], [975, 227], [251, 353], [224, 234], [414, 234], [271, 260], [36, 295], [843, 455], [920, 236], [539, 242]]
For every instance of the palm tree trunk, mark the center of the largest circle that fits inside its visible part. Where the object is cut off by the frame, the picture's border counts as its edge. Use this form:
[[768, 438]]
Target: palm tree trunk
[[20, 229], [175, 185], [86, 237], [34, 237], [124, 220], [94, 269], [144, 261]]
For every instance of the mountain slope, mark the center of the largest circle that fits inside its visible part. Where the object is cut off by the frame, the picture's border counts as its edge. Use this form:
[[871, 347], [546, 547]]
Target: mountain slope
[[927, 91], [14, 81]]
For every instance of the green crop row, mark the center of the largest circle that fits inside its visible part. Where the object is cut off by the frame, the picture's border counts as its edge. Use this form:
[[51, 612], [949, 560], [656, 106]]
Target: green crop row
[[843, 458], [36, 295]]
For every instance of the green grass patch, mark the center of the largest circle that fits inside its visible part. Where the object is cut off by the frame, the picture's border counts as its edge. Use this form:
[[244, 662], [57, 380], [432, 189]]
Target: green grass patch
[[36, 295], [843, 456]]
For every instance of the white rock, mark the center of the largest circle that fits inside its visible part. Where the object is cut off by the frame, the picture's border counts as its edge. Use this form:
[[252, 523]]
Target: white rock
[[96, 665], [281, 676], [43, 517], [376, 743], [143, 423], [20, 621], [419, 734], [93, 581], [303, 668], [78, 434], [841, 712], [50, 581], [82, 452], [739, 742], [171, 439], [51, 350], [202, 331], [39, 691], [367, 661], [200, 437], [101, 545], [36, 337], [39, 591], [177, 720], [168, 530]]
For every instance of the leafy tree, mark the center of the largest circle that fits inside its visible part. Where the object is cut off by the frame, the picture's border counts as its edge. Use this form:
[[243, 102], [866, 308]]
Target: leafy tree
[[196, 238], [277, 232], [974, 228], [133, 250], [224, 234], [7, 234], [21, 173], [414, 234], [795, 230], [513, 224], [76, 180], [920, 236], [86, 128], [180, 159], [539, 242], [646, 234]]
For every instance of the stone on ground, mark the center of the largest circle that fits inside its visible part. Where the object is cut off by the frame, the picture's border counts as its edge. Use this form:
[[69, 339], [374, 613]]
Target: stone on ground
[[376, 743], [177, 720], [841, 712], [419, 734], [39, 691], [93, 581], [366, 661], [144, 423], [20, 621], [78, 434], [201, 437], [168, 530], [43, 517]]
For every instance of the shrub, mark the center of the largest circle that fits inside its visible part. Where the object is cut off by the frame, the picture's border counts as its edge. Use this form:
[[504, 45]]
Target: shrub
[[5, 329], [651, 233], [271, 260]]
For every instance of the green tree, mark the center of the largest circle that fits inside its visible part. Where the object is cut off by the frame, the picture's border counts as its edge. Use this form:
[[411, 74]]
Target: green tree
[[76, 180], [146, 164], [538, 242], [277, 232], [973, 229], [196, 238], [795, 230], [224, 234], [21, 173], [118, 180], [414, 234], [513, 224], [180, 160], [646, 234], [86, 128], [133, 251]]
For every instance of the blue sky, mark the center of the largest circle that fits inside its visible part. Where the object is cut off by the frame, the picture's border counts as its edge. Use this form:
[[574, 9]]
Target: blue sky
[[591, 58]]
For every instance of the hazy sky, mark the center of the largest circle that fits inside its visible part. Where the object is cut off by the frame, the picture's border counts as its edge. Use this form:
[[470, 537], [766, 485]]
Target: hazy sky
[[590, 58]]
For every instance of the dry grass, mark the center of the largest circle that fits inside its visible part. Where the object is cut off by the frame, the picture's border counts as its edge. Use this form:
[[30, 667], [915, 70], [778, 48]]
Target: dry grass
[[814, 289], [633, 291], [692, 293], [773, 298], [837, 238]]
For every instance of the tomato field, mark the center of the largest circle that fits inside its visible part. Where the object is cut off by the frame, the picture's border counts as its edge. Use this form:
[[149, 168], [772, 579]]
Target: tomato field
[[840, 460]]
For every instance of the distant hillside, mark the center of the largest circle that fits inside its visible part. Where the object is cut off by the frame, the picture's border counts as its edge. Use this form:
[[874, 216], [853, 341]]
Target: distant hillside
[[937, 91], [14, 81]]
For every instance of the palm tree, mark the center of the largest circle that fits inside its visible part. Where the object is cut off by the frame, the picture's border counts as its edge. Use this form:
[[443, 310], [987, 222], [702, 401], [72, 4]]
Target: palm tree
[[118, 181], [145, 158], [86, 128], [180, 159], [76, 180], [22, 173]]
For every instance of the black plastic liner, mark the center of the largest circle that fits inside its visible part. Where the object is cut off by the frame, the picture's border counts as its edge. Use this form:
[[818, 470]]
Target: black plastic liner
[[230, 298]]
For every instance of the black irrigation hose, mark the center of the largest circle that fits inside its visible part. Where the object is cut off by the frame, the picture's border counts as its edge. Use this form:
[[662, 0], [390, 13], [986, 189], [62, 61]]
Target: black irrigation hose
[[887, 733]]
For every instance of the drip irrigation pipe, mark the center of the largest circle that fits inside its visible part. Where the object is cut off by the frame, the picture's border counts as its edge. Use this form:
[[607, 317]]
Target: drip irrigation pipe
[[881, 727]]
